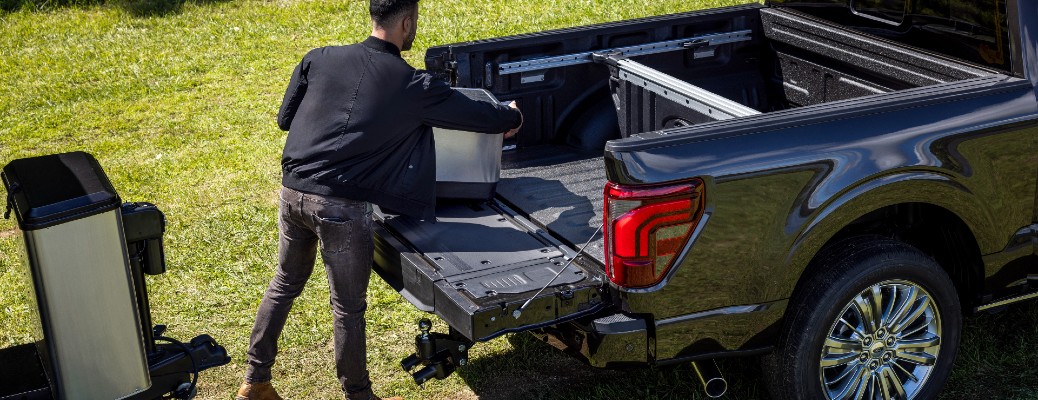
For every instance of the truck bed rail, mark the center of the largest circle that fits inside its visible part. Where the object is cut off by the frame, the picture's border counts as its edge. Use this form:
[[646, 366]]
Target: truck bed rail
[[704, 41]]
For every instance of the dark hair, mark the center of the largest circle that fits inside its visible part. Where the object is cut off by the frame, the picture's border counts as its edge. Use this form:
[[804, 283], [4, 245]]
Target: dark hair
[[385, 11]]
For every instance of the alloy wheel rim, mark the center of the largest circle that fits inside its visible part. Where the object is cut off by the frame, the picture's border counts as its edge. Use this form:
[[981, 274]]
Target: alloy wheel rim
[[883, 344]]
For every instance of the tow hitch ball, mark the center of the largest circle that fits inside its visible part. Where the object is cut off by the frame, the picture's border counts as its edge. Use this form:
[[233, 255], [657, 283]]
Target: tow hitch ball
[[440, 354]]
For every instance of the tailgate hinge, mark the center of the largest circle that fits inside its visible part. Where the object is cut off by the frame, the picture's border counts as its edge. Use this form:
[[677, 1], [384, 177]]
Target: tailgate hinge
[[444, 65]]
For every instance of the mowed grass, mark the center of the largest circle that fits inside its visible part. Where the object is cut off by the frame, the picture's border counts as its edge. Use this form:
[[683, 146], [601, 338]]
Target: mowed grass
[[177, 101]]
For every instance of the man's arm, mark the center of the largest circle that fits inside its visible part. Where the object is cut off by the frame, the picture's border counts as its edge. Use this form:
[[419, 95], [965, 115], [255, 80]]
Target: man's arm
[[293, 94], [513, 131], [446, 108]]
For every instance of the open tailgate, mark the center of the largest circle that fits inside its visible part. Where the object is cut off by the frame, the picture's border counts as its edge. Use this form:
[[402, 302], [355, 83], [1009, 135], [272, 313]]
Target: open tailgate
[[477, 263]]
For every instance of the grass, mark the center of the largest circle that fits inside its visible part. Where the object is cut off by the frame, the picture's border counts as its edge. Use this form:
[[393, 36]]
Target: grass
[[177, 101]]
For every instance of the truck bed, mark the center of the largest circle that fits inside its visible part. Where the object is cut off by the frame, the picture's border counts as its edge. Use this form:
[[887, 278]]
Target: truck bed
[[560, 190]]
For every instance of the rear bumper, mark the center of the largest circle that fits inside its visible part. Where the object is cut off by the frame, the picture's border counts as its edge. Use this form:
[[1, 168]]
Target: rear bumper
[[620, 340], [610, 341]]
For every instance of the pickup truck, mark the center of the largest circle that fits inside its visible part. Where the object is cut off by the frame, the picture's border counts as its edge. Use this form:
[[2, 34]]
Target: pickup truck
[[830, 184]]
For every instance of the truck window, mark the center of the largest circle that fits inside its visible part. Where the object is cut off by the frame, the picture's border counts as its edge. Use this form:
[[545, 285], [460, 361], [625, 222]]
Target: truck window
[[971, 30], [890, 11]]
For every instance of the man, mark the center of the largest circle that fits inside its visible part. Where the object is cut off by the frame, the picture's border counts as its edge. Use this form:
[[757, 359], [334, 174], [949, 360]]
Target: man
[[359, 121]]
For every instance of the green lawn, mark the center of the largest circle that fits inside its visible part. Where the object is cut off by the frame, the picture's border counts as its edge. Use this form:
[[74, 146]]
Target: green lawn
[[177, 101]]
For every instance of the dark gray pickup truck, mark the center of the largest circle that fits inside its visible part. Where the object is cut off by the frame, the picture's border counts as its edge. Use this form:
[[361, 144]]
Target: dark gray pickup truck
[[832, 184]]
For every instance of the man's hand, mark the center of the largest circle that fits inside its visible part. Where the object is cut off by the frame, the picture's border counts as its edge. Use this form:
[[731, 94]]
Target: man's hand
[[511, 133]]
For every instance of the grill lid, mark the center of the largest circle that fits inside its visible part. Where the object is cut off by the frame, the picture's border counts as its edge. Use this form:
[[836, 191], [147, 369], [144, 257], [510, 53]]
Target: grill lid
[[53, 189]]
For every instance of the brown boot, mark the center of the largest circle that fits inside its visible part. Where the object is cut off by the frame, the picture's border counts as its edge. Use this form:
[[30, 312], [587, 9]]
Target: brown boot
[[257, 391]]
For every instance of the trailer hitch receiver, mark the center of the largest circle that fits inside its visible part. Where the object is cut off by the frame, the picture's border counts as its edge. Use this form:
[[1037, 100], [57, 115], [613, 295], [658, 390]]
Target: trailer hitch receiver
[[439, 354]]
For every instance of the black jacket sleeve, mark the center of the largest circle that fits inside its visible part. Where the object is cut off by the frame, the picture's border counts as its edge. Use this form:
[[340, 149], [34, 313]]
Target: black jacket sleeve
[[445, 108], [294, 94]]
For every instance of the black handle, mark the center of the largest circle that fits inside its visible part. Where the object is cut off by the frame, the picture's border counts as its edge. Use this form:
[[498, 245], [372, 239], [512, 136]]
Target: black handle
[[10, 200]]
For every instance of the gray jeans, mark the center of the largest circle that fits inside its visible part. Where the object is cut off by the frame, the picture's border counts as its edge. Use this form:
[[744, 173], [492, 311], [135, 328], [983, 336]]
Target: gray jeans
[[343, 229]]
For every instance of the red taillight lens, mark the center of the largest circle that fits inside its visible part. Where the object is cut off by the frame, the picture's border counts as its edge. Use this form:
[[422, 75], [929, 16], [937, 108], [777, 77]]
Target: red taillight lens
[[646, 227]]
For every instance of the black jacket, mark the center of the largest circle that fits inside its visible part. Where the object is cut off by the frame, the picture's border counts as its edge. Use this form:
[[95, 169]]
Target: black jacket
[[360, 126]]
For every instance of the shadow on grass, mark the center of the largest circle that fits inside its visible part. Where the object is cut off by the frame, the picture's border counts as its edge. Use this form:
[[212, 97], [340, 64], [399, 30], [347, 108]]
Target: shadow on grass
[[535, 370], [997, 360], [998, 357], [137, 8]]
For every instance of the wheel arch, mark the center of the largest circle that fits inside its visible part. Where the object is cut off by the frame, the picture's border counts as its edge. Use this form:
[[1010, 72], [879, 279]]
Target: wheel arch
[[926, 210], [590, 120]]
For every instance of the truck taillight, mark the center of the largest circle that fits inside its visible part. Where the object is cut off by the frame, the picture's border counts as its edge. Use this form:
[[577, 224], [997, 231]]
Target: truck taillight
[[646, 227]]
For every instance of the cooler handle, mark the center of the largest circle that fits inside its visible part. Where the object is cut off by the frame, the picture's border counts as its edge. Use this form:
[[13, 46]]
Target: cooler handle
[[10, 200]]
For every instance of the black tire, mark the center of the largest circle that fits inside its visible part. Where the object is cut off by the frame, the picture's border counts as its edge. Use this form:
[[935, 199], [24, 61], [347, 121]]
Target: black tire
[[837, 289]]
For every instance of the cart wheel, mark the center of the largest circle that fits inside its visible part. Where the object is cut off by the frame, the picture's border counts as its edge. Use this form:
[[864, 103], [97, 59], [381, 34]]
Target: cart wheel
[[186, 391]]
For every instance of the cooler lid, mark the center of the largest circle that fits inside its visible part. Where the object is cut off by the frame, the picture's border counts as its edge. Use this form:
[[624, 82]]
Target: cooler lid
[[49, 190]]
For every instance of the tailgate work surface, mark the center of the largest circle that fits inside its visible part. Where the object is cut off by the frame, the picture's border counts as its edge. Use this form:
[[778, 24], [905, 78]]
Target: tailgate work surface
[[476, 249], [477, 263], [560, 190]]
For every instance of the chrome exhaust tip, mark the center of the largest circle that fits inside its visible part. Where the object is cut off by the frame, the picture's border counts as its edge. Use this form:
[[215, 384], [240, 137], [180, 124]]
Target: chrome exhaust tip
[[709, 375]]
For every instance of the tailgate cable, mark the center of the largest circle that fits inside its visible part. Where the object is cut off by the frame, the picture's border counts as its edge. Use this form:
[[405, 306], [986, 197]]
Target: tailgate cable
[[519, 311]]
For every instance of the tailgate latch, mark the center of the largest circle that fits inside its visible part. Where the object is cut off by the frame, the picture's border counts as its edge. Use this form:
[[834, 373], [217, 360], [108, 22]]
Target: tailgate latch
[[440, 354]]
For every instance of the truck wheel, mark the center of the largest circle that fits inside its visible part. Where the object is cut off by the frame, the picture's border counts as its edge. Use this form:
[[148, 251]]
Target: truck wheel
[[878, 320]]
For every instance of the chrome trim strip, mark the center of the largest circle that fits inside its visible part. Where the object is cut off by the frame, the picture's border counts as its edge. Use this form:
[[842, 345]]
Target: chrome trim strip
[[1007, 301], [715, 312]]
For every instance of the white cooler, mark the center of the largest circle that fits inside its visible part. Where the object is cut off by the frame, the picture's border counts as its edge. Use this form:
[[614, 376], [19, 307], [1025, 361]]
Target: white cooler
[[468, 164]]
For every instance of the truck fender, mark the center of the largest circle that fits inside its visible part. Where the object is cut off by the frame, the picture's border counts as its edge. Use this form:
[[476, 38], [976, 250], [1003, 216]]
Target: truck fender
[[882, 191]]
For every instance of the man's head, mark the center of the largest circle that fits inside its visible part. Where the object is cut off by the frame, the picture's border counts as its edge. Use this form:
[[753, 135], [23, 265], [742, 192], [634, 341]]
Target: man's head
[[397, 18]]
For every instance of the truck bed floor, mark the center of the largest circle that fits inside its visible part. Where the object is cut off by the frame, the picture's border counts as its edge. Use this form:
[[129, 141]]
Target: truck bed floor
[[558, 188]]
